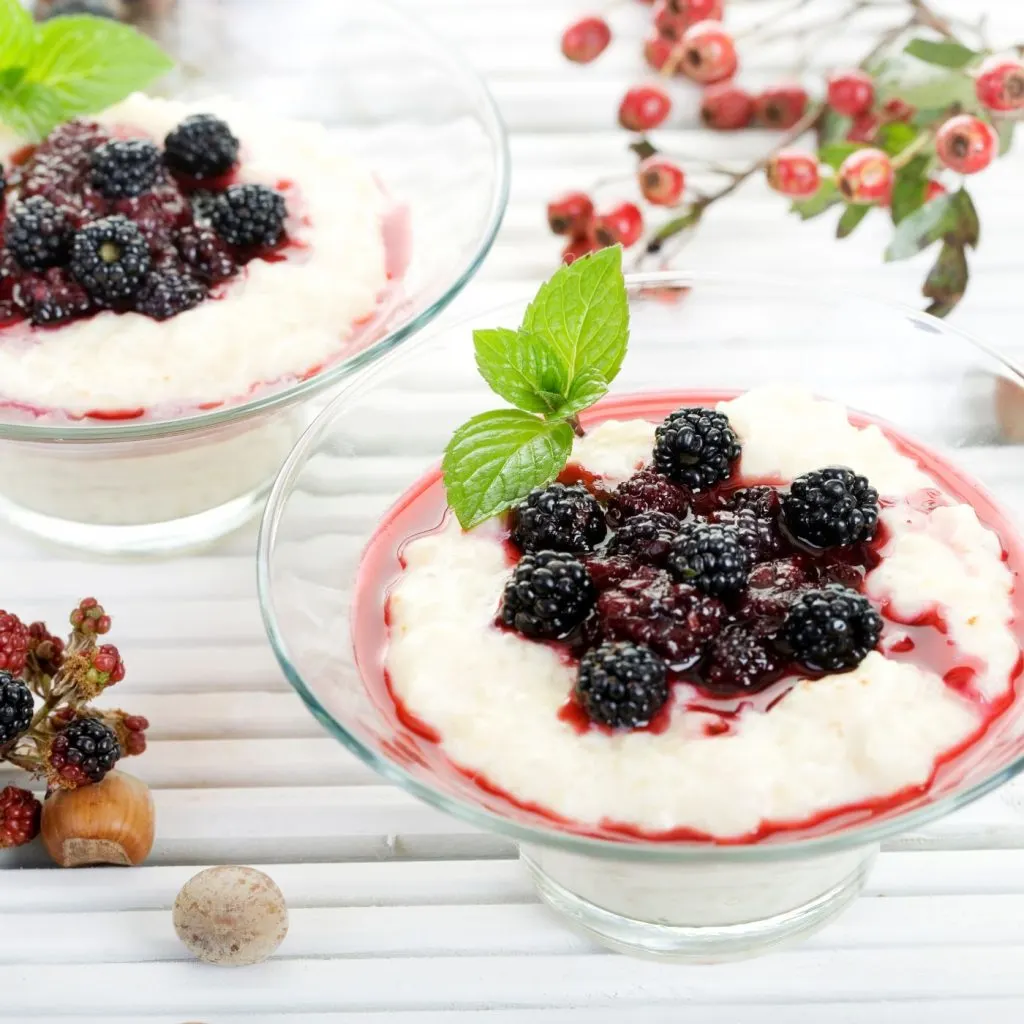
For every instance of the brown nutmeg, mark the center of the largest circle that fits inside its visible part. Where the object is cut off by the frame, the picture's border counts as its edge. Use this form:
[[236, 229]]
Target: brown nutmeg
[[109, 822]]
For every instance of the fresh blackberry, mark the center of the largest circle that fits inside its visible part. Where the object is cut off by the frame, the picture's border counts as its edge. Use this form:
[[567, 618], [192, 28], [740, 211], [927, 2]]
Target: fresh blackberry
[[206, 254], [14, 643], [674, 619], [712, 558], [622, 685], [37, 233], [761, 537], [84, 752], [125, 167], [739, 662], [830, 630], [558, 517], [831, 507], [647, 491], [20, 813], [647, 537], [110, 259], [202, 146], [167, 293], [609, 571], [772, 587], [548, 595], [696, 448], [52, 297], [762, 500], [16, 707], [249, 215]]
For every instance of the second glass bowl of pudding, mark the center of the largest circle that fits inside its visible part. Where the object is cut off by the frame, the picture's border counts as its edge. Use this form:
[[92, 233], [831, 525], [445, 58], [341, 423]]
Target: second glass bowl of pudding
[[123, 469], [736, 891]]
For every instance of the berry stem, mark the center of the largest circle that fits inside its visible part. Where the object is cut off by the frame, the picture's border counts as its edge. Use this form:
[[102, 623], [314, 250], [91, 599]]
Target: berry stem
[[923, 141], [577, 427]]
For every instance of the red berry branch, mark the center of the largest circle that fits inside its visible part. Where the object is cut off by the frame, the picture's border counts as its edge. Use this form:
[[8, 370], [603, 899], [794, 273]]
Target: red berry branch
[[47, 726], [930, 104]]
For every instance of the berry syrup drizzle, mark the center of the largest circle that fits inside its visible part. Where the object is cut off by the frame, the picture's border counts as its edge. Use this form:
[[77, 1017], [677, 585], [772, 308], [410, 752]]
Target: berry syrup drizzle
[[922, 641]]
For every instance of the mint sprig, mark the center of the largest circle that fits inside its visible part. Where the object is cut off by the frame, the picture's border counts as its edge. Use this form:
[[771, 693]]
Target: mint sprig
[[68, 66], [560, 361]]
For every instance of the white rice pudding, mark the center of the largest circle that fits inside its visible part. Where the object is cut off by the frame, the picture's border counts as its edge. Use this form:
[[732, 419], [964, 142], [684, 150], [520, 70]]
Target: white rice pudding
[[274, 321], [494, 696]]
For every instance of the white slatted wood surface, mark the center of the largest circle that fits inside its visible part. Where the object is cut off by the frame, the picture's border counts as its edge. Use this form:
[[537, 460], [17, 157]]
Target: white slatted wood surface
[[398, 912]]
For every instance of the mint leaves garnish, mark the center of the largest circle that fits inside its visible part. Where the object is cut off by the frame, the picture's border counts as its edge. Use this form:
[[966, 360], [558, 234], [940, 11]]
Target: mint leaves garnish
[[68, 66], [559, 362]]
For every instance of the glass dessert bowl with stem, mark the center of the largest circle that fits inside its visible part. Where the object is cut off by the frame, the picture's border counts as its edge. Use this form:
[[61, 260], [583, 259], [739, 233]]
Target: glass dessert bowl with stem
[[176, 288], [698, 762]]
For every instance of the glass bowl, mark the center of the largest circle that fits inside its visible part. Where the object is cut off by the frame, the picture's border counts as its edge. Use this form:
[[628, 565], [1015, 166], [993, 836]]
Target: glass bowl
[[408, 107], [682, 900]]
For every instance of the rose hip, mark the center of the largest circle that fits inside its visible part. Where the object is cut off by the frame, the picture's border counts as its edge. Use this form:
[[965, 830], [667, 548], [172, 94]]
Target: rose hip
[[570, 214], [866, 177], [933, 190], [577, 248], [781, 106], [661, 181], [793, 173], [851, 93], [966, 144], [657, 52], [668, 23], [643, 108], [1000, 84], [586, 40], [863, 128], [709, 53], [897, 110], [726, 107], [698, 10], [623, 224]]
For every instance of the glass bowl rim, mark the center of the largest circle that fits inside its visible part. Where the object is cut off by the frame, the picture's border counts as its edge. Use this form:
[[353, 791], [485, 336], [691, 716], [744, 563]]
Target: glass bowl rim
[[652, 851], [106, 430]]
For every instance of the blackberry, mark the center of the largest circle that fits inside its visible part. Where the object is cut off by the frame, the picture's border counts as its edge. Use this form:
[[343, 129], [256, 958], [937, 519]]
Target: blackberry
[[771, 588], [20, 813], [558, 517], [202, 201], [110, 259], [202, 146], [37, 233], [647, 491], [674, 619], [761, 537], [51, 298], [206, 254], [14, 643], [830, 630], [712, 558], [609, 570], [16, 707], [739, 662], [622, 685], [647, 537], [696, 448], [125, 167], [167, 293], [548, 595], [831, 507], [249, 215], [762, 500], [84, 752]]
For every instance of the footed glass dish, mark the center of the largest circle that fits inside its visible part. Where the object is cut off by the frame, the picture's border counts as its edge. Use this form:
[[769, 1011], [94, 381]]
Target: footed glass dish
[[691, 900]]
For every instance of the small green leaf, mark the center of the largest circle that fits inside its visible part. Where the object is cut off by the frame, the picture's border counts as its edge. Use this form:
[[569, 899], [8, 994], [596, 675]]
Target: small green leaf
[[90, 63], [643, 148], [907, 196], [834, 153], [922, 85], [496, 459], [1004, 128], [521, 369], [29, 108], [583, 315], [852, 216], [826, 196], [585, 390], [945, 54], [896, 136], [17, 34], [922, 228], [947, 280], [674, 227], [967, 227], [833, 128]]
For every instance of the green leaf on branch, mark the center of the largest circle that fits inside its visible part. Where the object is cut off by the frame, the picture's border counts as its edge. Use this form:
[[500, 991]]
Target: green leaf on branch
[[852, 216], [588, 387], [922, 228], [832, 127], [834, 153], [814, 206], [521, 369], [894, 137], [643, 148], [1004, 129], [947, 280], [924, 86], [967, 227], [945, 54], [674, 227], [910, 188]]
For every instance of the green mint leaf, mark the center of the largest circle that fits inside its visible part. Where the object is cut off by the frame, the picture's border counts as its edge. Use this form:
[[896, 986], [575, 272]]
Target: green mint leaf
[[496, 459], [814, 206], [852, 216], [582, 314], [28, 108], [922, 228], [521, 369], [945, 54], [834, 153], [588, 387], [90, 63], [947, 280], [967, 227], [17, 34]]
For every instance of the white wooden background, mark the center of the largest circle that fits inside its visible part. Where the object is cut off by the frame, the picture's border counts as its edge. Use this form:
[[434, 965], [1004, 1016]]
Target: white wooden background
[[398, 912]]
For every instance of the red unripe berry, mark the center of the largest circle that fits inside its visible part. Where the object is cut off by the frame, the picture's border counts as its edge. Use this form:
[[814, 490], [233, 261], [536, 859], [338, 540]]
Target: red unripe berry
[[794, 173], [966, 144], [866, 177], [896, 110], [578, 248], [780, 106], [1000, 84], [726, 107], [863, 128], [698, 10], [643, 108], [667, 23], [657, 52], [933, 190], [661, 181], [851, 93], [570, 214], [624, 224], [586, 40], [709, 53]]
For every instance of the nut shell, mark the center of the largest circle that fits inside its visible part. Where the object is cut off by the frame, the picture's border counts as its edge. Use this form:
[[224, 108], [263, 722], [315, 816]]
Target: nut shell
[[231, 916]]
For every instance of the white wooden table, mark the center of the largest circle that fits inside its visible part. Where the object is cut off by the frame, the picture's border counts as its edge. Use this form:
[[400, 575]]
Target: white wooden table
[[397, 912]]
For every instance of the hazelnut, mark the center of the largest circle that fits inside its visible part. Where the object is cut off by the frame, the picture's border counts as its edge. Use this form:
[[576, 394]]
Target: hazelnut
[[108, 822], [231, 916]]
